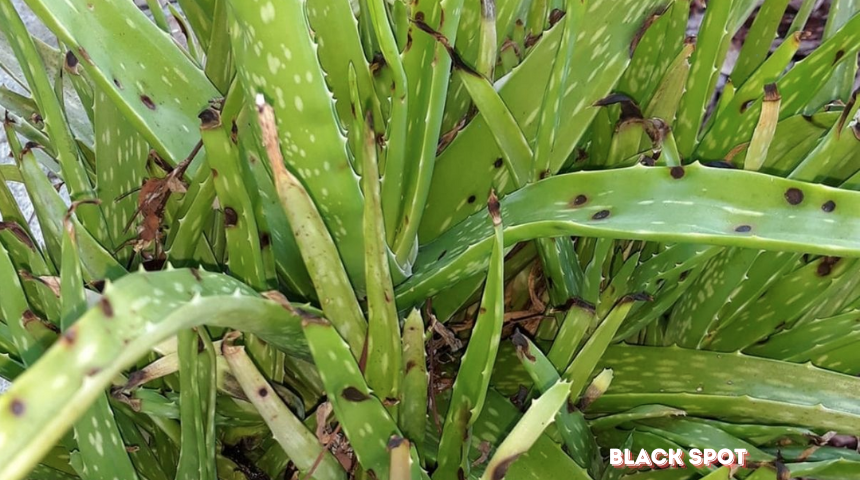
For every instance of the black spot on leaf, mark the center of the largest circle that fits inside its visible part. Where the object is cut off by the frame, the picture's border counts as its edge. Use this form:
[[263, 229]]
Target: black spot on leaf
[[677, 172], [353, 394], [794, 196], [600, 215], [148, 102], [829, 206], [743, 229]]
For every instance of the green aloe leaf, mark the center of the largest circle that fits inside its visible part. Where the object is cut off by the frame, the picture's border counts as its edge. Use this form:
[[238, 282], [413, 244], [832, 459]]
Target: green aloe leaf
[[594, 203], [470, 386], [529, 428], [729, 386], [92, 354], [298, 442]]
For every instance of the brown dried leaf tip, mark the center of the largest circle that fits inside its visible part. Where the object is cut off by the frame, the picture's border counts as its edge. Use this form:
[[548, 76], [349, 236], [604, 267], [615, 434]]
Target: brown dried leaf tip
[[771, 93], [522, 344], [494, 208]]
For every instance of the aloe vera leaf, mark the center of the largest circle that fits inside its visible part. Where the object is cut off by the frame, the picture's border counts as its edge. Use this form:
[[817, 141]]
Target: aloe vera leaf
[[21, 105], [9, 208], [544, 460], [298, 442], [570, 421], [143, 457], [705, 65], [73, 172], [193, 458], [804, 342], [316, 244], [741, 388], [50, 210], [841, 82], [764, 130], [187, 226], [509, 138], [462, 250], [219, 68], [634, 414], [471, 384], [423, 130], [796, 87], [796, 452], [99, 458], [384, 354], [13, 306], [658, 47], [582, 366], [396, 131], [413, 409], [558, 259], [794, 138], [667, 95], [162, 110], [271, 219], [548, 123], [782, 304], [837, 146], [198, 14], [577, 321], [144, 322], [758, 40], [243, 238], [339, 45], [691, 434], [463, 159], [121, 155], [760, 434], [467, 291], [696, 313], [363, 417], [593, 271], [10, 368], [527, 430], [307, 126]]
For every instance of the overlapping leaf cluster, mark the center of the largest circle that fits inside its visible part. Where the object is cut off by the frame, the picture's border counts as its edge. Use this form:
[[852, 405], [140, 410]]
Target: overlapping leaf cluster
[[430, 239]]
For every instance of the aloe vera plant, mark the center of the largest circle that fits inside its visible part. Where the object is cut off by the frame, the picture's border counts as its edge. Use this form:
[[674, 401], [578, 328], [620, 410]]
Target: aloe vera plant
[[439, 239]]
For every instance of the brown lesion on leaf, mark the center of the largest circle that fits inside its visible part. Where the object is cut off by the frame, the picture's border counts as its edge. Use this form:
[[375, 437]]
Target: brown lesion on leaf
[[231, 218], [263, 392], [210, 119], [147, 101], [601, 215], [354, 395], [17, 407], [677, 172], [646, 24], [71, 63], [522, 345], [106, 307], [828, 206], [82, 52], [15, 229], [794, 196], [494, 207], [578, 201], [825, 265], [500, 469]]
